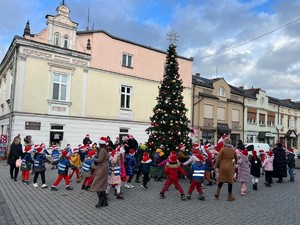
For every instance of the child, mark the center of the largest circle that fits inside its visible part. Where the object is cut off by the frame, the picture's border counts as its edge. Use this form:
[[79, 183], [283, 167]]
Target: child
[[130, 164], [55, 156], [255, 169], [268, 168], [172, 169], [197, 172], [146, 164], [26, 164], [291, 163], [88, 171], [114, 177], [39, 167], [208, 166], [76, 163], [243, 171], [63, 167], [160, 170]]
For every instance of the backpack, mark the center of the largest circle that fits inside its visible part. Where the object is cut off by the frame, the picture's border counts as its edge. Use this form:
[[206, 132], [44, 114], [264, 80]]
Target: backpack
[[25, 165]]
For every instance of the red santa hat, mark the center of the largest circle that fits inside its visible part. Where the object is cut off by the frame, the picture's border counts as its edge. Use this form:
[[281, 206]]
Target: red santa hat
[[261, 151], [28, 148], [103, 141], [65, 153], [173, 153], [94, 145], [131, 151], [43, 145], [291, 151], [39, 149], [75, 150], [181, 147], [146, 157], [200, 157], [68, 145], [173, 159], [36, 146], [113, 153], [91, 153], [270, 153], [195, 152], [87, 135], [245, 152], [79, 146], [83, 147], [196, 146]]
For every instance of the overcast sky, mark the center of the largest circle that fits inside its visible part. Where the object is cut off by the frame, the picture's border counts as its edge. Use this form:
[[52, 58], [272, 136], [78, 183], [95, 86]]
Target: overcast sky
[[206, 27]]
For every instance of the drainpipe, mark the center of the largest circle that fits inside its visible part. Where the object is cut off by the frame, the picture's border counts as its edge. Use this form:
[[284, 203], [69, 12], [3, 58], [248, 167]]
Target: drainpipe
[[193, 107], [12, 97], [278, 120]]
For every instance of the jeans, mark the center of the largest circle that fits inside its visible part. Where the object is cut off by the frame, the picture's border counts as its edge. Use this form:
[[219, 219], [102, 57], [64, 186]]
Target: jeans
[[291, 172]]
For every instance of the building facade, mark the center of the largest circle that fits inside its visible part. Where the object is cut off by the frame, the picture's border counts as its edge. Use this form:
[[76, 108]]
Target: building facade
[[61, 84], [218, 109]]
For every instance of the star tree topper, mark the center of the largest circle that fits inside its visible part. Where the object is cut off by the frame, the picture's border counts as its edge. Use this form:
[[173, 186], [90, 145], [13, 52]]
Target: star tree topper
[[173, 37]]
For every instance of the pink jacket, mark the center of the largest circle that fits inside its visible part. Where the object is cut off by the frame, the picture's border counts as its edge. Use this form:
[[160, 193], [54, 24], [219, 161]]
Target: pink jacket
[[268, 163]]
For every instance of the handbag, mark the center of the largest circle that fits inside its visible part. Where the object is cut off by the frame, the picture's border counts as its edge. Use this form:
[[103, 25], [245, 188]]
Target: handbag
[[18, 162]]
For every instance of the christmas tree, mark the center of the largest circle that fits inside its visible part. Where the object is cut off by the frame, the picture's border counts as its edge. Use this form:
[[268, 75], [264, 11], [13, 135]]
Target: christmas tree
[[169, 123]]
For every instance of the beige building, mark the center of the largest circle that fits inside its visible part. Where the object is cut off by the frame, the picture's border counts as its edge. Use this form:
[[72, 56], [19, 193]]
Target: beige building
[[61, 84], [218, 109]]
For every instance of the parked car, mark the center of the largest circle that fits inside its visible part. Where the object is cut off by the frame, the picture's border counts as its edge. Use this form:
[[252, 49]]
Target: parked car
[[257, 146]]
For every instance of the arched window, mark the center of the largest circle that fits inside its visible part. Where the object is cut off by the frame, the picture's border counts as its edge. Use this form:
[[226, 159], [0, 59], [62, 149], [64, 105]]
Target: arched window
[[66, 41], [57, 39], [222, 92]]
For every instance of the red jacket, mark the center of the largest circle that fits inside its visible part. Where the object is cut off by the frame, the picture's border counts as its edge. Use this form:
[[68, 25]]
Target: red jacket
[[172, 171]]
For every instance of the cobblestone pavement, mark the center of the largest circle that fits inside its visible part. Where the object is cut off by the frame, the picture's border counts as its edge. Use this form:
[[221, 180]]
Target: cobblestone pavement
[[24, 204]]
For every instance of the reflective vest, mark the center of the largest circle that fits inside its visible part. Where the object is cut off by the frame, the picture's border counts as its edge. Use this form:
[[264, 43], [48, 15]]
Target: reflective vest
[[62, 166], [86, 166], [199, 171], [37, 162], [55, 155]]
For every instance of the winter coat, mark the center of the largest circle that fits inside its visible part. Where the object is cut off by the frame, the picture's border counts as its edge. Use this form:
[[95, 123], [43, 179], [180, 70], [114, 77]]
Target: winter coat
[[130, 164], [279, 163], [87, 167], [291, 160], [75, 160], [172, 170], [14, 153], [268, 163], [192, 159], [87, 141], [243, 169], [100, 178], [146, 166], [182, 157], [225, 164], [114, 175], [255, 166]]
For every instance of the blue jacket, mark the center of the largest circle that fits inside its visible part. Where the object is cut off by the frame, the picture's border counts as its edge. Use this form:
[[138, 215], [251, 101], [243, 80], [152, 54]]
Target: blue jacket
[[55, 155], [130, 164], [26, 161], [63, 165]]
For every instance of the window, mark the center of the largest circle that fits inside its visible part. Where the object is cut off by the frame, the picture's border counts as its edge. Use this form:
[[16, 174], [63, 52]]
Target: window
[[126, 97], [57, 39], [271, 119], [222, 92], [262, 119], [127, 60], [66, 41], [251, 115], [59, 87]]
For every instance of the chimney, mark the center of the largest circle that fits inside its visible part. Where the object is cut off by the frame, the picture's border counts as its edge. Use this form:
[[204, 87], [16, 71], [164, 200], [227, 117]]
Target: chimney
[[241, 87], [197, 75]]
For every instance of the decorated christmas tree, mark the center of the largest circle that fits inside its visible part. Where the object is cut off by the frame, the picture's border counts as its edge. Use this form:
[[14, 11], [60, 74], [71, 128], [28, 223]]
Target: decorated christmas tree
[[169, 123]]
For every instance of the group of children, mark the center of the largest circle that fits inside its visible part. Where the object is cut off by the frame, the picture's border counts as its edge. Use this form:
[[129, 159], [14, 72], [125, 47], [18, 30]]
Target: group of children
[[123, 166]]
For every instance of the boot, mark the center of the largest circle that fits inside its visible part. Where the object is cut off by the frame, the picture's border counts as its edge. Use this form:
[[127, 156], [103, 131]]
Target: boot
[[230, 197], [105, 203], [101, 200], [255, 187], [119, 196], [243, 192], [87, 188], [83, 187], [218, 193]]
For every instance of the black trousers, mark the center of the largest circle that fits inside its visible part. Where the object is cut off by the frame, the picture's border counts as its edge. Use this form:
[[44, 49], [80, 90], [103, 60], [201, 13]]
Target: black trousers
[[268, 176], [13, 169], [146, 178], [36, 175], [220, 184]]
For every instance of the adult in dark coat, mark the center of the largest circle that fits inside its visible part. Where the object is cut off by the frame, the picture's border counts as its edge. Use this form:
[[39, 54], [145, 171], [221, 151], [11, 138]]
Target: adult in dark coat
[[279, 163], [14, 154], [87, 140], [100, 178]]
